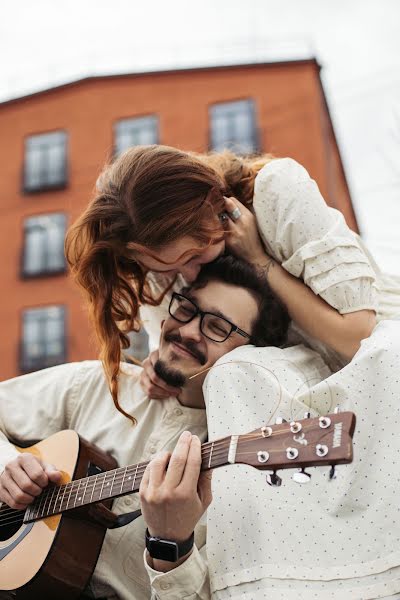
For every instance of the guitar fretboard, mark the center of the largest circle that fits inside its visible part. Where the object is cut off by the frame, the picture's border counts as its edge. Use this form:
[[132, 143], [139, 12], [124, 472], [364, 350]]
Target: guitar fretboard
[[111, 484]]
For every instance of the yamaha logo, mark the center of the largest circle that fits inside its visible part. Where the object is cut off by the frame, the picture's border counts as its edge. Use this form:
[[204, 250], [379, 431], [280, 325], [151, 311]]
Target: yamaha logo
[[337, 435]]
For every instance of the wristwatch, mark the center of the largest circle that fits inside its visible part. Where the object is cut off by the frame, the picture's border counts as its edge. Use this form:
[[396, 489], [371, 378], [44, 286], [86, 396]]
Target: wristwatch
[[167, 549]]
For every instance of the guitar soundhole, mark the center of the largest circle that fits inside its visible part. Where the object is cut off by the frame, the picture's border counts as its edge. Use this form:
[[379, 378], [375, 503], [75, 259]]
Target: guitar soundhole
[[10, 521]]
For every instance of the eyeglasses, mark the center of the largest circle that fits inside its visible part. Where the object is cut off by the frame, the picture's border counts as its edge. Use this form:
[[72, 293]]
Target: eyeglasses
[[212, 326]]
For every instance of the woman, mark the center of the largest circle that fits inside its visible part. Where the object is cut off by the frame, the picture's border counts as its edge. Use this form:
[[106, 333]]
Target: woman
[[160, 213]]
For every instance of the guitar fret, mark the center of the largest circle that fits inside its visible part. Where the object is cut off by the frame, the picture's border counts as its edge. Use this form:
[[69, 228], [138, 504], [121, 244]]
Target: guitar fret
[[38, 507], [77, 492], [123, 479], [102, 485], [129, 477], [112, 484], [134, 477], [84, 493], [48, 501], [62, 498], [56, 500], [70, 485], [93, 488]]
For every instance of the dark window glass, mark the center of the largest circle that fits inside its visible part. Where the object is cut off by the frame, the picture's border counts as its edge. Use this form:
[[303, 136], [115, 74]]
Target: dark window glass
[[135, 132], [44, 245], [43, 338], [233, 126], [45, 161]]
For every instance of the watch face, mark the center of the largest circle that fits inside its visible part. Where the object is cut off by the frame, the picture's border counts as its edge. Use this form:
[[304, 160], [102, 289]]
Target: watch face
[[163, 549]]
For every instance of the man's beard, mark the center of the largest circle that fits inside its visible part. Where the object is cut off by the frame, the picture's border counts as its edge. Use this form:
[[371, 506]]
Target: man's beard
[[172, 376]]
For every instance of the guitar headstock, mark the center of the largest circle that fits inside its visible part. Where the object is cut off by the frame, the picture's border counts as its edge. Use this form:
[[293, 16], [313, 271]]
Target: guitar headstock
[[318, 441]]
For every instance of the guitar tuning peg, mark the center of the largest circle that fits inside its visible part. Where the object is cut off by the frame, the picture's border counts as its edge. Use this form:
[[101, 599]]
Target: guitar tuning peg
[[280, 420], [332, 473], [301, 476], [336, 410], [307, 415], [273, 479]]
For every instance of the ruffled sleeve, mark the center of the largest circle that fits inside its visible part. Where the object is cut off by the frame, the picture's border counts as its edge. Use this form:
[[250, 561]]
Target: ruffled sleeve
[[310, 239]]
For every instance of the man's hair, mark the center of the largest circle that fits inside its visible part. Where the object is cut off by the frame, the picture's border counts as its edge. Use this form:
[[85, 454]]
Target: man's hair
[[271, 325]]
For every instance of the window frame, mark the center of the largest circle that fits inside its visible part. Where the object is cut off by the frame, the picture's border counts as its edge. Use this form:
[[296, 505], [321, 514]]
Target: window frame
[[45, 187], [255, 128], [28, 367], [154, 116], [44, 272]]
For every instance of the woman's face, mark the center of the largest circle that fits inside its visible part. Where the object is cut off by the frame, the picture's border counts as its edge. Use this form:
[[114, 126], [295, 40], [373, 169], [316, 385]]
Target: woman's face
[[189, 266]]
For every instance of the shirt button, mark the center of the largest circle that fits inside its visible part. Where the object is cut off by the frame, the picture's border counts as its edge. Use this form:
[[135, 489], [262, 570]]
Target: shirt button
[[177, 412], [127, 501], [152, 449], [164, 585]]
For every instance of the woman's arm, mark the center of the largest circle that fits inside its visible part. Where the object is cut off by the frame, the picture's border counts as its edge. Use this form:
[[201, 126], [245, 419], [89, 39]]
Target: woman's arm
[[316, 317], [320, 272]]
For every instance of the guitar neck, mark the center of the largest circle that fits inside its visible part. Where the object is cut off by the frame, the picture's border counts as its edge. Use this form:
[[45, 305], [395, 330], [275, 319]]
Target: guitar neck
[[319, 441], [114, 483]]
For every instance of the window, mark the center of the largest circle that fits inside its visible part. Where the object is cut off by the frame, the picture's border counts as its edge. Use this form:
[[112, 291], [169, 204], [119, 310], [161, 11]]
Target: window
[[135, 132], [139, 344], [45, 161], [43, 338], [43, 252], [233, 126]]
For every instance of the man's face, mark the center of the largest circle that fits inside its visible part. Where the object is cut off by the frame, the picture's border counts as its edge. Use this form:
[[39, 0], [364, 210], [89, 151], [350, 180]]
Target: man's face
[[183, 347]]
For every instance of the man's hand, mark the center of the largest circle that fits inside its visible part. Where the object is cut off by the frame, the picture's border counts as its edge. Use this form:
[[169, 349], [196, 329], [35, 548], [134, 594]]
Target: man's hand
[[24, 478], [173, 492], [155, 387]]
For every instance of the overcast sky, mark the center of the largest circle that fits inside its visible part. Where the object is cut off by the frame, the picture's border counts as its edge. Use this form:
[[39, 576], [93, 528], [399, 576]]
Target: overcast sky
[[46, 42]]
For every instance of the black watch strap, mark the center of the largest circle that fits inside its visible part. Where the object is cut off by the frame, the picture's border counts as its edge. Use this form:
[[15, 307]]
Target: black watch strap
[[168, 550]]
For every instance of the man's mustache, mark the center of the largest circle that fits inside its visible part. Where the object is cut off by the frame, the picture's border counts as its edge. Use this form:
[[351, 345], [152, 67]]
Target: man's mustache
[[190, 346]]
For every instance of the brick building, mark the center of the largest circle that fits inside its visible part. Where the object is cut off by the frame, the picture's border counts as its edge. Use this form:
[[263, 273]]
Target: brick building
[[53, 144]]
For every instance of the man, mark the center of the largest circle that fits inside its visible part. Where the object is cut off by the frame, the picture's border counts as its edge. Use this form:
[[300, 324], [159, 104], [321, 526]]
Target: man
[[229, 306]]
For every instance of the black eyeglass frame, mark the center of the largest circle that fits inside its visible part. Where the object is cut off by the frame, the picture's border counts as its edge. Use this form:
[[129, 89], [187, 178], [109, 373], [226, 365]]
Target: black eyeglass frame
[[202, 313]]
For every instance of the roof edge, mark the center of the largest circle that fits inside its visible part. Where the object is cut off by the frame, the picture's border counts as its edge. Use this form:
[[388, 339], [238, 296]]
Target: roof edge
[[89, 78]]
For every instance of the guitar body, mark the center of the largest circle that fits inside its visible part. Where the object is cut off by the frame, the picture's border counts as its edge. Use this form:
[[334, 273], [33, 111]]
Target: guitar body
[[56, 556]]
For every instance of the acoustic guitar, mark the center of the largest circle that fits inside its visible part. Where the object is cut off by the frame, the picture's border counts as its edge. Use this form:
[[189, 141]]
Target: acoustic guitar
[[50, 549]]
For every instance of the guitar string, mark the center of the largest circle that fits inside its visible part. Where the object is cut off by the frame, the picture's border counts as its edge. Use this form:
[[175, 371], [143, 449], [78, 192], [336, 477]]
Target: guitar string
[[215, 451]]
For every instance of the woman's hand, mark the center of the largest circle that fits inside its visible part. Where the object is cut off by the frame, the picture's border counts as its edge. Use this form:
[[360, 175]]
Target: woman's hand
[[242, 237], [155, 387]]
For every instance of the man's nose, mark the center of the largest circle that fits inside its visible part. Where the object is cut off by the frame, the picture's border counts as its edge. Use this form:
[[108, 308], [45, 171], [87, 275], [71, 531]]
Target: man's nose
[[191, 330], [190, 272]]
